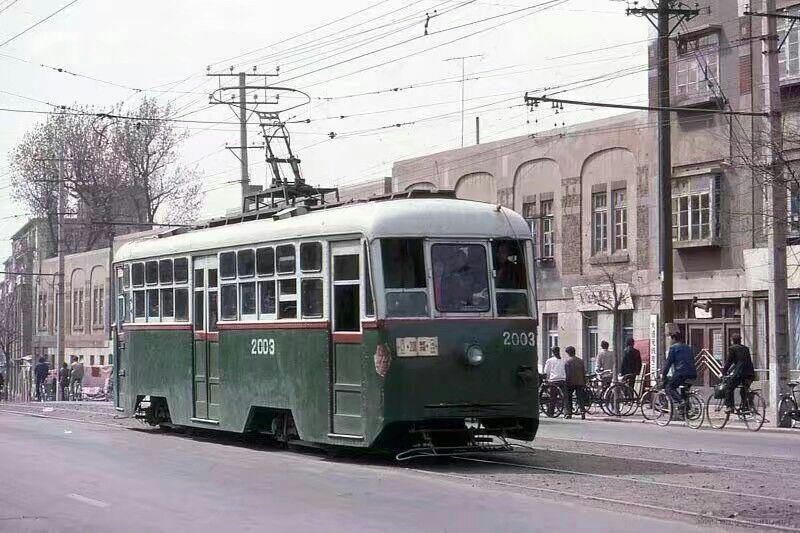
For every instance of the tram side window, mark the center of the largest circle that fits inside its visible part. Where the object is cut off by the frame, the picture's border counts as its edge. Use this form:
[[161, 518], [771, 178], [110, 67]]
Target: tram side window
[[286, 259], [287, 298], [139, 310], [510, 278], [126, 276], [265, 261], [368, 299], [151, 272], [137, 274], [152, 304], [404, 277], [229, 304], [198, 311], [181, 270], [266, 290], [227, 265], [311, 257], [181, 304], [247, 263], [247, 299], [311, 296], [165, 271], [167, 303]]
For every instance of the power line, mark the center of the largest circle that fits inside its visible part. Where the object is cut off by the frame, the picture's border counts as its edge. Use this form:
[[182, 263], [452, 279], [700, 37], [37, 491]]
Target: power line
[[8, 6], [29, 28]]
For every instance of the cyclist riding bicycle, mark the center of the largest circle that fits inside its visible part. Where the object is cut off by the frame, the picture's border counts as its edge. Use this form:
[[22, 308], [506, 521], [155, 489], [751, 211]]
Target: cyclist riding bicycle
[[681, 360], [738, 371]]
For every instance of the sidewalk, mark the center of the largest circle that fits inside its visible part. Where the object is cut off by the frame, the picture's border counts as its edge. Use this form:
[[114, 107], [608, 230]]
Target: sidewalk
[[94, 412], [736, 425]]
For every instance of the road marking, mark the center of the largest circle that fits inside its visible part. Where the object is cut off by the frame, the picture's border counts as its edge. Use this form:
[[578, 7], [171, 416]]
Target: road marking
[[89, 501]]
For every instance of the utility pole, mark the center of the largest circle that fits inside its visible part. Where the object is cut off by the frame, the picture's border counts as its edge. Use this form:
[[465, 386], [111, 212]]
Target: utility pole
[[663, 13], [776, 208], [240, 102], [463, 79], [60, 281], [477, 130]]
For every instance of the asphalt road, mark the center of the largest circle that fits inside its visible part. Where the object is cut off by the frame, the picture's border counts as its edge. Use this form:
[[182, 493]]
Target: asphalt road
[[69, 476]]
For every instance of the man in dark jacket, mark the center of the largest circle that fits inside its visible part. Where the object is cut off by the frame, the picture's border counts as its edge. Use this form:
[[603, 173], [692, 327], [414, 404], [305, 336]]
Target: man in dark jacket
[[40, 371], [681, 360], [575, 382], [740, 368], [631, 363]]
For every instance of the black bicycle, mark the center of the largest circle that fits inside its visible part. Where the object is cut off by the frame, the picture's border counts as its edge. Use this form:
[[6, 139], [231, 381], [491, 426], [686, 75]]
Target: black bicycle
[[551, 399], [788, 413], [752, 413], [690, 409]]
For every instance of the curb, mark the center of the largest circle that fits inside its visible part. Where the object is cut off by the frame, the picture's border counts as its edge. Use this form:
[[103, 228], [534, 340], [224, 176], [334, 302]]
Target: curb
[[629, 420]]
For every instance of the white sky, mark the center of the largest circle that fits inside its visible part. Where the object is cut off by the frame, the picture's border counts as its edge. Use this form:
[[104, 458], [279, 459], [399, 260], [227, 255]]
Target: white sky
[[150, 43]]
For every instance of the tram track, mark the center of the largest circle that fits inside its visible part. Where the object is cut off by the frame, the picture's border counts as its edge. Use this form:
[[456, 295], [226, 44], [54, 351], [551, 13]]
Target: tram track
[[660, 510]]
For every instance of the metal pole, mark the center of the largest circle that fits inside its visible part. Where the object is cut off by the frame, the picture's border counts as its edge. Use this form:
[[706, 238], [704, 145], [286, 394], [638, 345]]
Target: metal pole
[[776, 222], [477, 130], [664, 174], [462, 102], [243, 132], [60, 289]]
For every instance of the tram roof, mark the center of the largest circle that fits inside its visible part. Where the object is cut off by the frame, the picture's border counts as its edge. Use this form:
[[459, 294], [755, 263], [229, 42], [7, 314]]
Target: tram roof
[[413, 217]]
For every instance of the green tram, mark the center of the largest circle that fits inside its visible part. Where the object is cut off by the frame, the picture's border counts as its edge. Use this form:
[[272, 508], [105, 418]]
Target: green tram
[[398, 324]]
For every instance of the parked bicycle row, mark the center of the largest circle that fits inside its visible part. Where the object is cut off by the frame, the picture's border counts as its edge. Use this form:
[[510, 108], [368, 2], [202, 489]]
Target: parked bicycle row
[[665, 397]]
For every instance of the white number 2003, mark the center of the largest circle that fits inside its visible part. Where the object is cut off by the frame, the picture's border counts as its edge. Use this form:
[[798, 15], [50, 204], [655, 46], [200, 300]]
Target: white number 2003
[[519, 339], [262, 346]]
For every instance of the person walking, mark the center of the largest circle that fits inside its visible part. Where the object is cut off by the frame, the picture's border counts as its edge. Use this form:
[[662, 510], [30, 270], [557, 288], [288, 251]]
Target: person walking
[[680, 359], [605, 364], [631, 363], [75, 378], [575, 383], [40, 372], [739, 368], [63, 380], [555, 372]]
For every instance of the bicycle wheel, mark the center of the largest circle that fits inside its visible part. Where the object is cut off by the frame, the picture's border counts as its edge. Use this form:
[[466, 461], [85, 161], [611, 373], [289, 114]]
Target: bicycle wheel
[[695, 411], [612, 400], [716, 414], [647, 404], [785, 410], [662, 408], [755, 415], [631, 401]]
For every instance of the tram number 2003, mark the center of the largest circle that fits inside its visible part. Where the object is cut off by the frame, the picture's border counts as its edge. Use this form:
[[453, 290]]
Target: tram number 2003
[[262, 346], [524, 338]]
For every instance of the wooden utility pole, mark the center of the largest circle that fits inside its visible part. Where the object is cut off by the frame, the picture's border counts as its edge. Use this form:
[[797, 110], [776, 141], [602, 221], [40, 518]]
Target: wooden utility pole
[[660, 17], [60, 282], [776, 209]]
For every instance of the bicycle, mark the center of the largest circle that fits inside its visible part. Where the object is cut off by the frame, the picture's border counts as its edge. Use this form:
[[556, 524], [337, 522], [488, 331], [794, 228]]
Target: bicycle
[[753, 414], [620, 399], [691, 410], [551, 399], [594, 392], [788, 413]]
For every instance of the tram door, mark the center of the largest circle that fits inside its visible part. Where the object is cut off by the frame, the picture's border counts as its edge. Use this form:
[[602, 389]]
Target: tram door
[[346, 353], [206, 376]]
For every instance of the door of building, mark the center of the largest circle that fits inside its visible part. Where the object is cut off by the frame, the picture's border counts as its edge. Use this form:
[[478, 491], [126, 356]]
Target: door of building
[[346, 410], [206, 374], [710, 342]]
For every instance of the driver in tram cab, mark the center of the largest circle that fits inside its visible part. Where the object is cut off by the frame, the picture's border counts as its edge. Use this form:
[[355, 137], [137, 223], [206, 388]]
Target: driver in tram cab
[[510, 274]]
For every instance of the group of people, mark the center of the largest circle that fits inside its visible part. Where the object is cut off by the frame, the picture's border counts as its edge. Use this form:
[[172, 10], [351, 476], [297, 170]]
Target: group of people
[[70, 377], [570, 374]]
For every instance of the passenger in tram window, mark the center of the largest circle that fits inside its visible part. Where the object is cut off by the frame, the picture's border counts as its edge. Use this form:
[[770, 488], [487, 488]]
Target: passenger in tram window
[[510, 273]]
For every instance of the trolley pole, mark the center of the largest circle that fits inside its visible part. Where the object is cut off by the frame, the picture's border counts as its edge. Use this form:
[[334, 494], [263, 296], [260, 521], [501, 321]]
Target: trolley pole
[[463, 79]]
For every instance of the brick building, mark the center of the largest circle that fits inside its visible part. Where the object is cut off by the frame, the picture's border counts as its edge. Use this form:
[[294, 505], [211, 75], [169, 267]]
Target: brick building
[[591, 194]]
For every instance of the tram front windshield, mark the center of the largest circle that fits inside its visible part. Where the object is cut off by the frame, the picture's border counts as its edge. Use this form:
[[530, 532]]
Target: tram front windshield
[[462, 274]]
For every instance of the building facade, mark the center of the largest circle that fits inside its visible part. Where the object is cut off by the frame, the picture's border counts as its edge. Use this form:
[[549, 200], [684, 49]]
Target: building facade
[[590, 193], [87, 310]]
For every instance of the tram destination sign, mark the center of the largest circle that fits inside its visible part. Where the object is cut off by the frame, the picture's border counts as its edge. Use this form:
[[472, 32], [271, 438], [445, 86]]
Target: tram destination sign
[[417, 346]]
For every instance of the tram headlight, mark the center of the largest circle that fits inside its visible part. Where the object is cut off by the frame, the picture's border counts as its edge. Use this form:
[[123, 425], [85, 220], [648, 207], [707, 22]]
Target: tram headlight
[[474, 355]]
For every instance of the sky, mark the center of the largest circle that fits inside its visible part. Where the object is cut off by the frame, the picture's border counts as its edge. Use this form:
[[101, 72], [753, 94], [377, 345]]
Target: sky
[[334, 51]]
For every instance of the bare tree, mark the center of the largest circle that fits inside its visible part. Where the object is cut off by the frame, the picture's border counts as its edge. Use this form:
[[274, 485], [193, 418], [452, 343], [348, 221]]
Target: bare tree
[[121, 170], [9, 326]]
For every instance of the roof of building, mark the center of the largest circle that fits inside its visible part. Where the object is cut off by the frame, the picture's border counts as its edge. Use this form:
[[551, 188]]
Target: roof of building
[[413, 217]]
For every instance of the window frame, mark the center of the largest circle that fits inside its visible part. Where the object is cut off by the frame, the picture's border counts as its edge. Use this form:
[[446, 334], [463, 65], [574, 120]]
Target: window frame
[[433, 304], [690, 50], [548, 229], [599, 219], [619, 222], [128, 295]]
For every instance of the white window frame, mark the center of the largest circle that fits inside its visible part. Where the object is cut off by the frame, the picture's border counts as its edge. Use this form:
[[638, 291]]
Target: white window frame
[[548, 246], [620, 219], [697, 65], [599, 223]]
